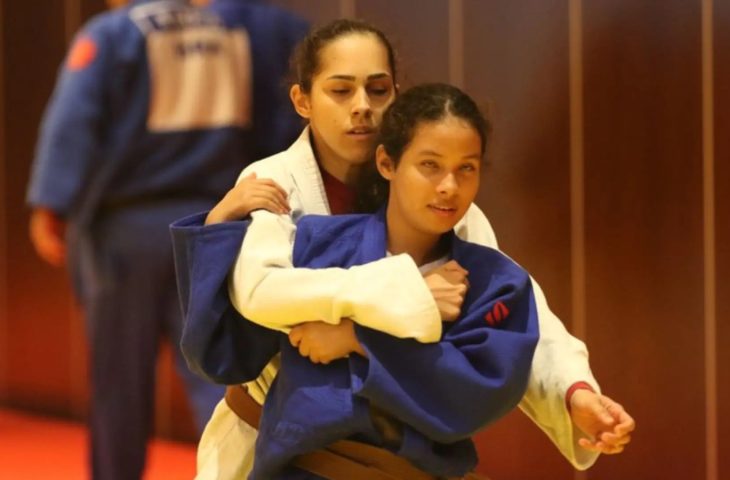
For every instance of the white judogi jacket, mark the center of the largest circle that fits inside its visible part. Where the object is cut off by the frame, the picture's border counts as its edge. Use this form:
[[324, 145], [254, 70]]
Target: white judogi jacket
[[388, 295]]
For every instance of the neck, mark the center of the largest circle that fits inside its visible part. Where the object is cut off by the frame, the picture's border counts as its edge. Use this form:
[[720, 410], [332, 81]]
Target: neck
[[339, 168], [402, 238]]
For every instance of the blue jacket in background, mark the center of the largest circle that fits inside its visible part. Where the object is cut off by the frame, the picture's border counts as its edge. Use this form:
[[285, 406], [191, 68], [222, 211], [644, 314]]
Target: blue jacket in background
[[97, 149], [276, 32]]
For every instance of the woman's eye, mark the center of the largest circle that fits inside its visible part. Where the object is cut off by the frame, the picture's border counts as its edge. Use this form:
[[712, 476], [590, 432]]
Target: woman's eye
[[379, 91], [429, 164], [468, 168], [340, 91]]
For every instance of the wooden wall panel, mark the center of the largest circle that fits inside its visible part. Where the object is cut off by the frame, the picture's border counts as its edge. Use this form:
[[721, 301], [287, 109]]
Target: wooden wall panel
[[420, 38], [721, 34], [517, 64], [643, 200], [4, 340], [38, 297]]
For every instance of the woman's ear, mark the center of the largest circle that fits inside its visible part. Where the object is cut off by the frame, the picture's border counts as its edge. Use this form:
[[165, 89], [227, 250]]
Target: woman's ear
[[300, 100], [383, 162]]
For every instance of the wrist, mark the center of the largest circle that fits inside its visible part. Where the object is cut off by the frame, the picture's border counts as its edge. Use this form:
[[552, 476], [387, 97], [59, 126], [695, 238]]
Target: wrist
[[574, 388], [355, 346]]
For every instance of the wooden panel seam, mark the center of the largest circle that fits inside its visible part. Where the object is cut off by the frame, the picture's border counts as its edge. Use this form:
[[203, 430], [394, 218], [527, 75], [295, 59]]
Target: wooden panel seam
[[3, 223], [708, 200], [456, 43], [347, 8], [577, 199]]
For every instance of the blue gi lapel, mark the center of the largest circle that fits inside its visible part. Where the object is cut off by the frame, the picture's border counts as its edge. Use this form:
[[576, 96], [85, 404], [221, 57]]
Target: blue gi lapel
[[375, 238]]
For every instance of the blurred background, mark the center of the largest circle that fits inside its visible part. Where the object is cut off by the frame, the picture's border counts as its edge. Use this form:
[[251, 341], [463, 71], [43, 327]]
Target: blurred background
[[608, 179]]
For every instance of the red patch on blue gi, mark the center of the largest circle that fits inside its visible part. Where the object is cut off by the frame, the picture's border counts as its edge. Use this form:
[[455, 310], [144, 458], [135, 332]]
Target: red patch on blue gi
[[497, 315], [82, 54]]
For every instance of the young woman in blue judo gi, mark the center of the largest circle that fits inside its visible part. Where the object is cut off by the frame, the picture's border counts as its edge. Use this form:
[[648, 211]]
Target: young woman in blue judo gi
[[345, 79]]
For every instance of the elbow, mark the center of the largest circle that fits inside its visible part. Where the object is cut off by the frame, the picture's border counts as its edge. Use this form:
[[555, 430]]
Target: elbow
[[432, 335], [241, 295]]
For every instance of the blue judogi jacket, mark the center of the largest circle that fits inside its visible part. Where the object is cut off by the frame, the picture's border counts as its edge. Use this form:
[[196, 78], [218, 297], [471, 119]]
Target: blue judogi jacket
[[275, 33], [98, 149], [442, 392]]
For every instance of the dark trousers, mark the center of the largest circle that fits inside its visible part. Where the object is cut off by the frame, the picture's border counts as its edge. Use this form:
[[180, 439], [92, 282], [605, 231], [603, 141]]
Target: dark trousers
[[131, 304]]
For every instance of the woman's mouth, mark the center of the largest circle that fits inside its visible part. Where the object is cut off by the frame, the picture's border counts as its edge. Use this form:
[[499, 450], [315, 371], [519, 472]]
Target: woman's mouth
[[442, 210], [361, 132]]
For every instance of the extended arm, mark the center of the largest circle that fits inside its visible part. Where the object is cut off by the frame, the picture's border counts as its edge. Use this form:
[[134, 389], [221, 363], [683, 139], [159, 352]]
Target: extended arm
[[266, 288], [73, 127], [69, 141], [560, 361]]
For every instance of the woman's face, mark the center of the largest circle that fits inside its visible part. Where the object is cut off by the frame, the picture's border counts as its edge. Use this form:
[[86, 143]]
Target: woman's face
[[436, 179], [350, 92]]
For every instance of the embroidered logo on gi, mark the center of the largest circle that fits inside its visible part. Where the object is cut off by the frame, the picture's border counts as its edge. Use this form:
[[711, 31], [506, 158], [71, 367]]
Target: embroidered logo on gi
[[497, 315], [82, 54]]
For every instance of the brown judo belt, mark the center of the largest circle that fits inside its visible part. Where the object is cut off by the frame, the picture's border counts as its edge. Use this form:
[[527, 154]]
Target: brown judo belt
[[342, 460]]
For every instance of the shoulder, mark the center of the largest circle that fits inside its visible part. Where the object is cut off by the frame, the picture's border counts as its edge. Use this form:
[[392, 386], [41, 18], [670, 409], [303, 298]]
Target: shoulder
[[328, 240], [112, 29], [277, 16], [275, 167], [254, 15], [280, 166], [104, 25], [289, 21], [488, 262], [332, 227], [96, 43], [475, 228]]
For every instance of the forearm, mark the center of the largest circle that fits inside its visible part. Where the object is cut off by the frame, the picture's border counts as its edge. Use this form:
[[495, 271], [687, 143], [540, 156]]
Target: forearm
[[560, 361], [266, 288]]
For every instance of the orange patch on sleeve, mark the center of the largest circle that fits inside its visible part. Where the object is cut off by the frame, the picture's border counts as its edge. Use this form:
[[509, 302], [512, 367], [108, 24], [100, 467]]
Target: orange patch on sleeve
[[82, 54]]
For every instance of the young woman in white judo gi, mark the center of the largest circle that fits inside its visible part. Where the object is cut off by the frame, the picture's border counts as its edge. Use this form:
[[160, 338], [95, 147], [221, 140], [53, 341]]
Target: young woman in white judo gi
[[345, 80], [431, 396]]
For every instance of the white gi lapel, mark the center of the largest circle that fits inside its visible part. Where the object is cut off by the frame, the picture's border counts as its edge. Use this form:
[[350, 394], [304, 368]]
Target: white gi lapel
[[309, 192]]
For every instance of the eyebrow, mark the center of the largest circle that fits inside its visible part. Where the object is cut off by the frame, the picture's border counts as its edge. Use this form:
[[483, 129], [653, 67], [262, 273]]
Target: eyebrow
[[374, 76], [436, 154]]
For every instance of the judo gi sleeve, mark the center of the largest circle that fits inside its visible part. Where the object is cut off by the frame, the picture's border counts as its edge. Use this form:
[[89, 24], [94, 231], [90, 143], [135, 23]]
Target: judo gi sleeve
[[218, 344], [477, 373], [74, 122]]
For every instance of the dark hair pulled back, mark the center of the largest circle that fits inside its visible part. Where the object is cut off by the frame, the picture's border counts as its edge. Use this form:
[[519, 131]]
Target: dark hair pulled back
[[425, 103], [306, 58]]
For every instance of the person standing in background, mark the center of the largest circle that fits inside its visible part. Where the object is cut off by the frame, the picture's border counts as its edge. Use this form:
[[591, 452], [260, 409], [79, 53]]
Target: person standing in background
[[152, 117]]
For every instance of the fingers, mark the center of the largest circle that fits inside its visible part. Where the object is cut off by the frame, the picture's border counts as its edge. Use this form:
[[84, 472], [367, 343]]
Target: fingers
[[624, 423], [454, 266], [603, 414], [275, 186], [600, 447], [261, 193], [613, 439], [268, 200], [252, 182], [295, 336]]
